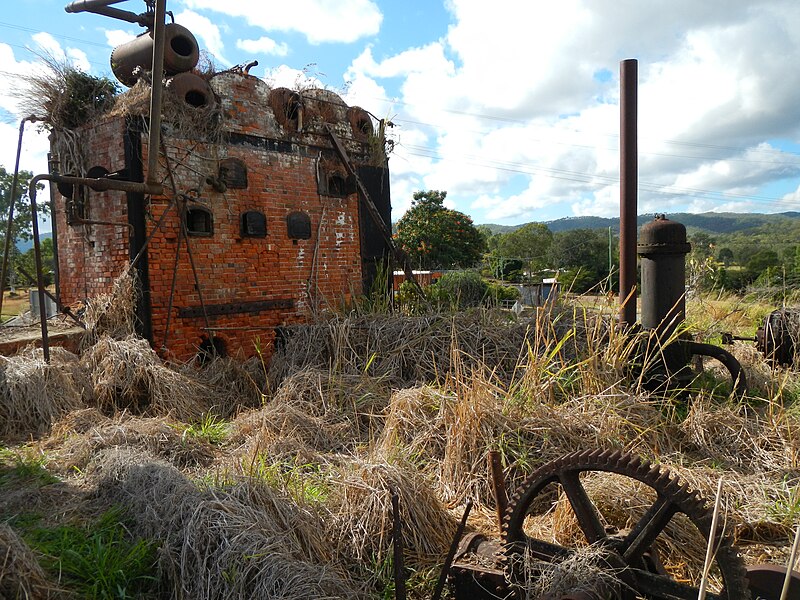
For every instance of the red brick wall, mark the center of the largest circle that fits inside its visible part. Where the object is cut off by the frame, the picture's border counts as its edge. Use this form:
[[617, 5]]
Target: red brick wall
[[312, 274], [90, 256]]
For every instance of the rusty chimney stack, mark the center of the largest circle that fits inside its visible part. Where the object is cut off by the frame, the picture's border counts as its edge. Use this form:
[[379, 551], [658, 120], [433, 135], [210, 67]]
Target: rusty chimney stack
[[629, 180]]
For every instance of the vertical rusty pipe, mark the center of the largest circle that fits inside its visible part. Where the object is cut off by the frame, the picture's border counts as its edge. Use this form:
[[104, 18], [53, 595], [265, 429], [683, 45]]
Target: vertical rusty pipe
[[37, 253], [629, 176], [52, 166], [397, 539], [498, 483], [10, 223], [156, 90]]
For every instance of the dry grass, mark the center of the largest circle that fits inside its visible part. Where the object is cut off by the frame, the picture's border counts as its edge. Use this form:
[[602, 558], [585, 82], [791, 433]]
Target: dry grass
[[359, 407], [20, 573]]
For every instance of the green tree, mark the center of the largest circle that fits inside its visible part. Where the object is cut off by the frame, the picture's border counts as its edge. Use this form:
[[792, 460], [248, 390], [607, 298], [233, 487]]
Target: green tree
[[582, 255], [438, 237], [530, 244], [22, 204], [725, 256]]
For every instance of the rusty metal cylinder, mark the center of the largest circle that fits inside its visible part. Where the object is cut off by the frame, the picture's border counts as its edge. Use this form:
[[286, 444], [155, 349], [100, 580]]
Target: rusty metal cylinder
[[662, 249], [181, 54], [192, 89]]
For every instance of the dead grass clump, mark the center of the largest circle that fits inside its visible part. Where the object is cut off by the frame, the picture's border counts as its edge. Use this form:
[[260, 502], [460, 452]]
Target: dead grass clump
[[329, 412], [412, 425], [34, 394], [246, 541], [75, 440], [280, 425], [235, 385], [361, 522], [20, 573], [582, 572], [128, 375], [113, 314], [402, 350], [736, 437]]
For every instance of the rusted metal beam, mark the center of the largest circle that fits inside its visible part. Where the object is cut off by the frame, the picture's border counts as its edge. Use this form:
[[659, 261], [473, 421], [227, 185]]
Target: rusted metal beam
[[498, 483], [398, 253], [397, 539], [628, 184]]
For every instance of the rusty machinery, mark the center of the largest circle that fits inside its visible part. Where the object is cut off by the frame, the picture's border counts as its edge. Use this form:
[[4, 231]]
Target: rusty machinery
[[488, 569], [662, 250]]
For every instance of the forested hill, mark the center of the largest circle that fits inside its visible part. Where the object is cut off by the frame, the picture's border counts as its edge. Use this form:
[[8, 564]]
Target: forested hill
[[709, 222]]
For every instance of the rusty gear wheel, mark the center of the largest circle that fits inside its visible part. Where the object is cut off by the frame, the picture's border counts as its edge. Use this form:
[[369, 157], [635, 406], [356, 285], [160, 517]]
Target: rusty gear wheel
[[625, 553]]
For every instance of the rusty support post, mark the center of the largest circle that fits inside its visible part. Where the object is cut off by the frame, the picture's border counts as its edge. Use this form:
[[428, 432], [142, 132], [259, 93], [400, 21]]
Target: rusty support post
[[628, 184], [448, 561], [397, 538], [156, 89], [10, 222], [498, 483], [37, 253]]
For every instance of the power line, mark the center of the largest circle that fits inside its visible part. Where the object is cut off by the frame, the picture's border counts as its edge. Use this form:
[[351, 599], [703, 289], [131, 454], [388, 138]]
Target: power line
[[56, 35], [591, 179]]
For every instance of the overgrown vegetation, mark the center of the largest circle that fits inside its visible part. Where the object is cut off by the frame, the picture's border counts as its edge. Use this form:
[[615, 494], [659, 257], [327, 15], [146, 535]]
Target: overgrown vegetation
[[283, 488]]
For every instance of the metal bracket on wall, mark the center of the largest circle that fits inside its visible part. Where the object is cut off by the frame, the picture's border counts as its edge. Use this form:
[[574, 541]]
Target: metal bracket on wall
[[235, 308]]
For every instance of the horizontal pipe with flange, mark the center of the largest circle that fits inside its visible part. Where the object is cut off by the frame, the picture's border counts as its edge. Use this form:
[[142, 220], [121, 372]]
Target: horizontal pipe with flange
[[100, 185], [102, 8]]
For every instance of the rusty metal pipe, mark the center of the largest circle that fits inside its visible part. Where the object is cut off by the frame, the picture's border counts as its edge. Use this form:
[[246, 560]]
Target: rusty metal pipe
[[37, 254], [102, 7], [10, 223], [88, 5], [451, 554], [498, 483], [726, 358], [156, 90], [628, 184], [104, 185]]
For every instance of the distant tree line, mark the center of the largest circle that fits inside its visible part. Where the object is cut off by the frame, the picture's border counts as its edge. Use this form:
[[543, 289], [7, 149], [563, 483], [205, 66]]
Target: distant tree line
[[763, 252]]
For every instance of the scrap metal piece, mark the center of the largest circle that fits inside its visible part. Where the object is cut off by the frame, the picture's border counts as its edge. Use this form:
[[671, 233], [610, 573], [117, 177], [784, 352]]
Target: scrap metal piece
[[766, 582], [625, 552], [776, 338]]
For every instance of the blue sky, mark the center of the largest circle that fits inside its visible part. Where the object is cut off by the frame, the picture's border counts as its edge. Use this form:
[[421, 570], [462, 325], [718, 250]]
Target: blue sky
[[510, 106]]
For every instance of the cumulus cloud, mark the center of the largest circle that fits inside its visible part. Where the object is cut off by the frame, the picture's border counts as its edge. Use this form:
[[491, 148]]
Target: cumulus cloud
[[117, 37], [318, 20], [263, 45], [208, 32], [521, 105]]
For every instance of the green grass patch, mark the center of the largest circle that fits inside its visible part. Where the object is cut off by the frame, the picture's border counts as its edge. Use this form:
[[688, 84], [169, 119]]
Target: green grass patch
[[210, 428], [24, 467], [98, 561]]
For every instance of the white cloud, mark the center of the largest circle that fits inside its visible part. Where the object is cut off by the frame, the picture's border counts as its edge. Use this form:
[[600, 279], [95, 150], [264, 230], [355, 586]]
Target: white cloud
[[117, 37], [263, 45], [318, 20], [527, 99], [208, 32], [286, 76]]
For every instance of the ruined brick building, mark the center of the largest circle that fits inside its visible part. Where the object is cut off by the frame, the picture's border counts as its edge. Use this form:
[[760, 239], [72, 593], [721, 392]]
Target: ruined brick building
[[261, 224]]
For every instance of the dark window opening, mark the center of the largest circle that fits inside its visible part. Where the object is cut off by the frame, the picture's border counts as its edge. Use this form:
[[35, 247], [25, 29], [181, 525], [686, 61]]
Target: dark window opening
[[298, 226], [254, 224], [337, 184], [233, 172], [199, 221], [211, 348]]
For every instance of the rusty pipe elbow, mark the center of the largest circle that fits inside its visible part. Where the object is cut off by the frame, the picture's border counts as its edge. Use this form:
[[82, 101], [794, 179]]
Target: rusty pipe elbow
[[726, 358]]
